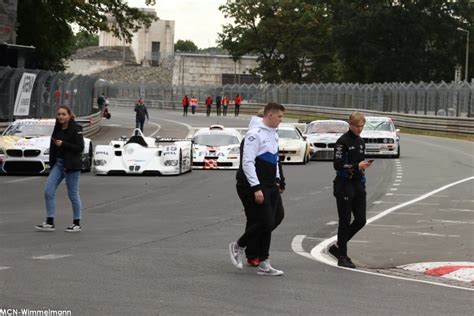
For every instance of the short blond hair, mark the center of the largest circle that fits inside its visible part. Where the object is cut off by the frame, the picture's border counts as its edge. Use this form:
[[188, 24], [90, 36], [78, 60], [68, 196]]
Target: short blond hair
[[356, 117]]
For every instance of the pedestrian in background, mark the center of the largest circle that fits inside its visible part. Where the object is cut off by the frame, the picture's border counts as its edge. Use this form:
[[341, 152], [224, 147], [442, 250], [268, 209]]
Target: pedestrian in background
[[237, 102], [349, 187], [65, 160], [141, 114], [185, 105], [194, 104], [225, 104], [101, 101], [257, 186], [208, 105], [218, 104]]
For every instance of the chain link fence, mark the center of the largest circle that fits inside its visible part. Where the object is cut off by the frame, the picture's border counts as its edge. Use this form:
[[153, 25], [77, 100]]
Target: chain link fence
[[441, 99], [49, 90]]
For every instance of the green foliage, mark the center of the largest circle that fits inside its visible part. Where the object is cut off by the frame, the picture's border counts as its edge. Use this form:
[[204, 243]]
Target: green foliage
[[83, 39], [186, 46], [291, 38], [349, 40], [46, 25]]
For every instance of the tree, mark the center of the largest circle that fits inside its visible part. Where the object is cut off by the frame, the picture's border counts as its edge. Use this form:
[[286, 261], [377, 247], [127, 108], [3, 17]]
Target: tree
[[47, 25], [186, 46], [291, 38], [403, 40], [83, 39]]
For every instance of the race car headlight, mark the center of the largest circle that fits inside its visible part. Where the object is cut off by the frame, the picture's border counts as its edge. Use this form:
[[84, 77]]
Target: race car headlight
[[171, 163], [100, 162], [391, 140], [46, 152], [234, 151], [385, 140]]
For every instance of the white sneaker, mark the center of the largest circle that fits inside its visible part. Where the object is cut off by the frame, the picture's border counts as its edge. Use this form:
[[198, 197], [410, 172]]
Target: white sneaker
[[73, 229], [264, 268], [236, 255], [45, 227]]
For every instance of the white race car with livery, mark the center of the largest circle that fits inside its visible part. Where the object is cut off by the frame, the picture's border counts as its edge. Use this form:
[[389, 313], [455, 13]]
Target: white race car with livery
[[293, 147], [24, 147], [140, 155], [216, 147], [322, 136], [381, 137]]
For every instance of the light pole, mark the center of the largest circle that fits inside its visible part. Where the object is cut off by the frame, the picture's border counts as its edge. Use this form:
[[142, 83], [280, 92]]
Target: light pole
[[467, 51]]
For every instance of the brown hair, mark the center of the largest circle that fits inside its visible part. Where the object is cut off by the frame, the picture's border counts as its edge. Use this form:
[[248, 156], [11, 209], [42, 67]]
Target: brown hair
[[273, 107], [68, 109]]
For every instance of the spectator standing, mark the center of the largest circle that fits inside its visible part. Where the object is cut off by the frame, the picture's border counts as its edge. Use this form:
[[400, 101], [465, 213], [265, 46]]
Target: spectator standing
[[185, 105], [225, 103], [141, 114], [194, 104], [208, 105], [218, 104], [237, 102]]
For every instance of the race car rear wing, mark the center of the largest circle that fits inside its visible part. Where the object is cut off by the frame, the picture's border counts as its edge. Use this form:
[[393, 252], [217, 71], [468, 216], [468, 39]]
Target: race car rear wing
[[172, 140]]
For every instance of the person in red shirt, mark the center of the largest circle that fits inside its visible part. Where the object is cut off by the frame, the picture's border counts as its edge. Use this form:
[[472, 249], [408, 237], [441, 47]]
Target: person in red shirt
[[237, 102], [208, 105], [225, 104], [185, 105]]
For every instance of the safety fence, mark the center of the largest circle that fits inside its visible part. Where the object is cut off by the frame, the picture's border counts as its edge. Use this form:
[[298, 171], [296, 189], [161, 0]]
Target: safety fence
[[432, 99], [49, 90], [427, 122]]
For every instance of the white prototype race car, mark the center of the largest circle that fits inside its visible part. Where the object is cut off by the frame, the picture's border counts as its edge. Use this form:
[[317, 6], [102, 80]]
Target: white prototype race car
[[24, 147], [293, 147], [381, 137], [140, 155], [216, 147], [322, 136]]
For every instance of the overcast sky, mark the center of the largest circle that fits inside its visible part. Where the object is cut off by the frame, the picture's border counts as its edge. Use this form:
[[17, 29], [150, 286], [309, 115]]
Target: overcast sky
[[198, 20]]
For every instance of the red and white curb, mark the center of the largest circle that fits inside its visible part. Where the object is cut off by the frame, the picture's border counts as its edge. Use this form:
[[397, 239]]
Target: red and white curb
[[459, 271]]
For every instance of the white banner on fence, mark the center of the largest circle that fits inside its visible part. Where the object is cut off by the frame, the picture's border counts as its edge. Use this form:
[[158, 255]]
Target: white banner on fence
[[23, 95]]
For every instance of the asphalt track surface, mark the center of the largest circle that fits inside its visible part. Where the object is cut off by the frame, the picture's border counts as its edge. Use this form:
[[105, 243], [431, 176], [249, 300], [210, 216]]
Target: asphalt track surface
[[158, 245]]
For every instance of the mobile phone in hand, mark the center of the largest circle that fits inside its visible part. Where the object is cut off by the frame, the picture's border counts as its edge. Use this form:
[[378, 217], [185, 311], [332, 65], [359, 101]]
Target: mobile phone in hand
[[370, 161]]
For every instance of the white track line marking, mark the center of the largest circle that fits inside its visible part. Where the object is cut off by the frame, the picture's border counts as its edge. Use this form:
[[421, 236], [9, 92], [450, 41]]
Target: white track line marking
[[396, 184], [4, 268], [331, 223], [423, 234], [454, 210], [468, 201], [22, 179], [318, 255], [393, 189], [297, 246], [380, 225], [51, 257], [443, 221], [156, 131]]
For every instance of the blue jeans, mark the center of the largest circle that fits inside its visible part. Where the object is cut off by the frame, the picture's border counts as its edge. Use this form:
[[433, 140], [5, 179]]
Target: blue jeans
[[56, 176]]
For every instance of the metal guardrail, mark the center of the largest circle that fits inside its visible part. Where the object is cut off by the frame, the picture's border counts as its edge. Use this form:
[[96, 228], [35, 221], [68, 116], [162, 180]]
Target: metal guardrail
[[425, 122], [89, 129]]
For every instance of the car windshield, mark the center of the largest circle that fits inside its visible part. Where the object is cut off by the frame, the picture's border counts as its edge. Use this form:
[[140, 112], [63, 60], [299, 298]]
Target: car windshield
[[216, 140], [288, 133], [385, 126], [323, 127], [29, 130]]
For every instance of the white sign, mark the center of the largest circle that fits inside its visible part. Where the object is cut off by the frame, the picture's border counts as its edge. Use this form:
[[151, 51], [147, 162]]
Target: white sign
[[23, 95]]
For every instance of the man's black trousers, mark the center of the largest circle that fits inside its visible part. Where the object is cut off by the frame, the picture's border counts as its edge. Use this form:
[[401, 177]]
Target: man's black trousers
[[262, 219], [351, 199]]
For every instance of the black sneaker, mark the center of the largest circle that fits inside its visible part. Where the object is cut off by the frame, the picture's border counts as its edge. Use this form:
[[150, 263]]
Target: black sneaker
[[334, 251], [45, 227], [346, 262], [73, 229]]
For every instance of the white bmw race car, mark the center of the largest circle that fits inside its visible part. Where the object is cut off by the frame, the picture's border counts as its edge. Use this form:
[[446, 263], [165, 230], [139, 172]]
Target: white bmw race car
[[322, 136], [216, 147], [24, 147], [293, 147], [140, 155], [381, 137]]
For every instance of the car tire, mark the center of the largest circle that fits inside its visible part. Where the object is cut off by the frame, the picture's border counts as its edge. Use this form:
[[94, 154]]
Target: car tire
[[180, 161], [398, 153], [191, 159]]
